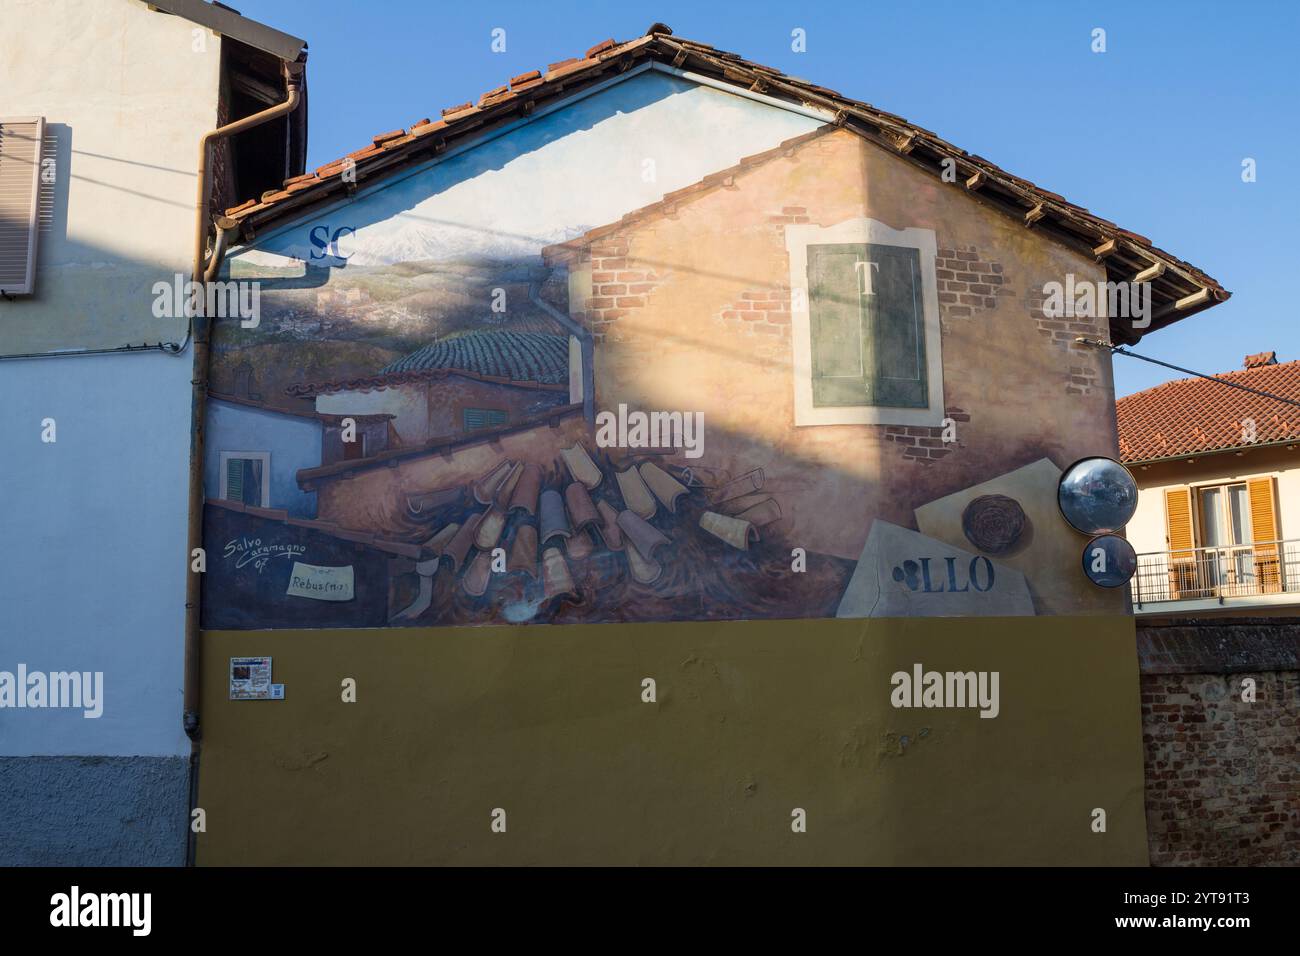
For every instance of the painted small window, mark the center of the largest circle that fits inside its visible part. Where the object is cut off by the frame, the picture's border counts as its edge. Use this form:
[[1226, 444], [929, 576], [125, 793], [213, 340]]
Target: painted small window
[[866, 325], [476, 418], [246, 477]]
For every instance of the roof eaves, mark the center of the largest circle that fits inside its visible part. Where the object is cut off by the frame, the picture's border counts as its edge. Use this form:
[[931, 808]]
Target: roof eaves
[[1180, 289], [425, 139], [229, 23], [1208, 452], [1067, 222]]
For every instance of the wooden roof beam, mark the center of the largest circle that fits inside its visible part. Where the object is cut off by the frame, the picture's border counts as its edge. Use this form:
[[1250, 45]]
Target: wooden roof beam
[[1150, 273], [1198, 298]]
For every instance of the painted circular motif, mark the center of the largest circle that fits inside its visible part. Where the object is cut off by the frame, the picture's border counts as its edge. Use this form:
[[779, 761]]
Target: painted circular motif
[[993, 523]]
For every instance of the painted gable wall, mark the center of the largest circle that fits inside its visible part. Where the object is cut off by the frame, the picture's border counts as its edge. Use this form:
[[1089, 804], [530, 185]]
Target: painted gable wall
[[581, 166]]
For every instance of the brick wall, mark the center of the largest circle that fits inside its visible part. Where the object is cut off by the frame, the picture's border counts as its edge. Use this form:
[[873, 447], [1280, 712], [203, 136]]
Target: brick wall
[[926, 443], [1222, 773], [1062, 331], [967, 284], [617, 285]]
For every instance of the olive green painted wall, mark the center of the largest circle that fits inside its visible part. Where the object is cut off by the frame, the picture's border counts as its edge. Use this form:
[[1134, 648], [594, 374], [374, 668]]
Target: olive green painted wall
[[753, 719]]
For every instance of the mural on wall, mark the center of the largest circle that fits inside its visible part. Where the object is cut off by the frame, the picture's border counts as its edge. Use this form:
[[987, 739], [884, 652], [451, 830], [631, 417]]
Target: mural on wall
[[459, 406]]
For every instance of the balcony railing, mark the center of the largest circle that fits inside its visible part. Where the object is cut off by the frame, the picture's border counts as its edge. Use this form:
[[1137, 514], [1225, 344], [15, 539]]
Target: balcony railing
[[1234, 571]]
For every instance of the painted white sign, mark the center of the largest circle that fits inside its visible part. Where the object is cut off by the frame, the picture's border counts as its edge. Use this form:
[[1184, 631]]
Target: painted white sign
[[905, 574], [319, 583]]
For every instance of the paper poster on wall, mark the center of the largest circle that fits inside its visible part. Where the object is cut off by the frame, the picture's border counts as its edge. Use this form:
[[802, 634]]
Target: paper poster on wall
[[321, 584], [250, 678]]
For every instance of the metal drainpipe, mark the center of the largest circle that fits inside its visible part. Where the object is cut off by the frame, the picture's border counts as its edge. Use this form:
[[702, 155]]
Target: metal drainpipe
[[199, 382]]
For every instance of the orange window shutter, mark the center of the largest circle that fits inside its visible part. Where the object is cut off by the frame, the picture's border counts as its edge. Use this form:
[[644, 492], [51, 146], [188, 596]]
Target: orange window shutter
[[1178, 516], [1181, 537], [1264, 531]]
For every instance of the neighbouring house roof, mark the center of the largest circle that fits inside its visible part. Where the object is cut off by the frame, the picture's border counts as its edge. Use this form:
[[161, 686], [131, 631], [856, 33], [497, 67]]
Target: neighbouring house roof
[[1179, 288], [300, 413], [521, 359], [1193, 416]]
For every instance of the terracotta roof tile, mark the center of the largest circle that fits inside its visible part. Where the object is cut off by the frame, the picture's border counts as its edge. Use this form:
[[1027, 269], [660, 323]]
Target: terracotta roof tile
[[523, 78], [568, 69], [600, 47], [1197, 416], [385, 137], [460, 108], [1259, 359]]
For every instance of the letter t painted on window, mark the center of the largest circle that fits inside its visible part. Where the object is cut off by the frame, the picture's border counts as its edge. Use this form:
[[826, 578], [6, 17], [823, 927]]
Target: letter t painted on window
[[863, 270]]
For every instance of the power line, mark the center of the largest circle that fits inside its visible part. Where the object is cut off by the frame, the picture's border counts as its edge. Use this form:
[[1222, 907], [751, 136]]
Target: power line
[[1120, 350]]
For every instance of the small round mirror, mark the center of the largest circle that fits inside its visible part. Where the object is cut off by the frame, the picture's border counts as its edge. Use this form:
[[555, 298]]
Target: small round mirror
[[1109, 561], [1097, 495]]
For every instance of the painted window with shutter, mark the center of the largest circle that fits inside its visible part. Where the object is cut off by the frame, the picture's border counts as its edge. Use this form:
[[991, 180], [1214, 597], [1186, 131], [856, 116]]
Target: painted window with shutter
[[245, 478], [476, 418], [20, 171], [1264, 526], [867, 326]]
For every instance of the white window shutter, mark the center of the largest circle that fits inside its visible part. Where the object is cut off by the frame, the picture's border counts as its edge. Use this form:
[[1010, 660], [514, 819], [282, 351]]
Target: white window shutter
[[20, 175]]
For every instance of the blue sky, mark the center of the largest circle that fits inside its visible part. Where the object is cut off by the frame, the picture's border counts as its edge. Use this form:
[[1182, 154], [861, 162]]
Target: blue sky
[[1150, 134]]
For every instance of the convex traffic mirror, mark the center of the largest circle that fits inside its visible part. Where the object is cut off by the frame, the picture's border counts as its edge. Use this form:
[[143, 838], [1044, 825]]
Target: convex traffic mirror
[[1097, 495], [1109, 561]]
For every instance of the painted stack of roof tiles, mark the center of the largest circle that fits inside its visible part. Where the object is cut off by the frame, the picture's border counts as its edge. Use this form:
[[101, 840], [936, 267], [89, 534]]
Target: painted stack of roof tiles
[[533, 522]]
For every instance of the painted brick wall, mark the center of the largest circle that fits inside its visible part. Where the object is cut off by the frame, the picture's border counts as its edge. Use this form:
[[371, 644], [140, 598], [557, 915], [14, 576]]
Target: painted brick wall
[[1222, 774]]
